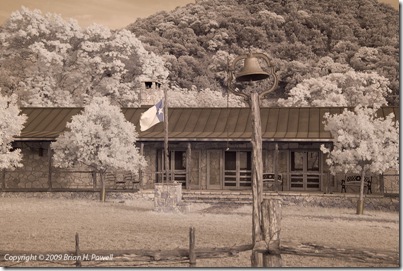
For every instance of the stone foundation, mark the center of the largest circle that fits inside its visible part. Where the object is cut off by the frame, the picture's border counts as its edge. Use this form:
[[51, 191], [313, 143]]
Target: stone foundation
[[110, 196]]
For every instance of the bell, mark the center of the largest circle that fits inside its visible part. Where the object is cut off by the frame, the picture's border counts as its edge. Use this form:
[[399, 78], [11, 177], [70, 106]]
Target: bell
[[251, 71]]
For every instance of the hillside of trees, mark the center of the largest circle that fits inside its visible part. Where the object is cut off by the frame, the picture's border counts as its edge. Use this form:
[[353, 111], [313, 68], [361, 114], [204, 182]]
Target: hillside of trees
[[333, 52], [304, 38]]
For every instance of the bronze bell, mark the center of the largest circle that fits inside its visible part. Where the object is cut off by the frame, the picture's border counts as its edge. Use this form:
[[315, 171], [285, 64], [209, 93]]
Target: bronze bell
[[251, 71]]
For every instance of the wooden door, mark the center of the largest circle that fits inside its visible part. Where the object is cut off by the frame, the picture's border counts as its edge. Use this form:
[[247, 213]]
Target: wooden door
[[214, 169], [193, 174]]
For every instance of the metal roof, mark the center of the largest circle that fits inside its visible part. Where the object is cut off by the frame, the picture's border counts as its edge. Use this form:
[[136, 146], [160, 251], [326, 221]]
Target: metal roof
[[203, 124]]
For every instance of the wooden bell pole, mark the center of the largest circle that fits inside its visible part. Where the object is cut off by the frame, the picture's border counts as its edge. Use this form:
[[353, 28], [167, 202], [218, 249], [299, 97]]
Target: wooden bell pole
[[254, 73]]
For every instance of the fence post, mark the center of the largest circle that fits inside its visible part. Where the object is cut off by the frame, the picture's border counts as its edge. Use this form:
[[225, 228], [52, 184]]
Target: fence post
[[256, 258], [78, 261], [271, 214], [192, 245]]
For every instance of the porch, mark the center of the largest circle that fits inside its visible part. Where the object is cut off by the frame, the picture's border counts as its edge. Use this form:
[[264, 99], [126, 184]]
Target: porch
[[209, 149]]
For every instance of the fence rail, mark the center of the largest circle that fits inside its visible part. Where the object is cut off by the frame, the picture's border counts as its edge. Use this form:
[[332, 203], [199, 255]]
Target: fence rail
[[184, 256], [140, 257]]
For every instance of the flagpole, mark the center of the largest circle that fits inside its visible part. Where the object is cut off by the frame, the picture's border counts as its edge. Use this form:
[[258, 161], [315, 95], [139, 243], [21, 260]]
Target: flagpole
[[166, 134]]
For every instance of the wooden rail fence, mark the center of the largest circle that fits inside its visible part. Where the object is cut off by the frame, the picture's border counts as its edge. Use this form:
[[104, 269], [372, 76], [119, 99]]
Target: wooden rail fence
[[147, 257]]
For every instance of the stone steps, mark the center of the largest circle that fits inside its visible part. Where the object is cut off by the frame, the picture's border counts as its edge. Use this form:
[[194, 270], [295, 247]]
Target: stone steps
[[219, 197]]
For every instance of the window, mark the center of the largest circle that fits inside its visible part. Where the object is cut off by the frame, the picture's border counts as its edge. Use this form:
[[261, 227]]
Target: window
[[148, 85], [297, 161], [313, 161]]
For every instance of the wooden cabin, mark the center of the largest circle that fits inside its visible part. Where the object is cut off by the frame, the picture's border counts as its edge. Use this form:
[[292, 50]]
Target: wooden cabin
[[209, 148]]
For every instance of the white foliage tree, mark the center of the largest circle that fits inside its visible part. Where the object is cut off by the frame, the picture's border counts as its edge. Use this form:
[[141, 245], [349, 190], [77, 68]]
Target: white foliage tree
[[101, 138], [363, 144], [203, 98], [180, 97], [48, 61], [340, 89], [34, 49], [11, 124]]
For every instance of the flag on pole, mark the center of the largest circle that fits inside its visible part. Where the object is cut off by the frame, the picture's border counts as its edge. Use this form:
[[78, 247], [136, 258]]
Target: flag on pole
[[152, 116]]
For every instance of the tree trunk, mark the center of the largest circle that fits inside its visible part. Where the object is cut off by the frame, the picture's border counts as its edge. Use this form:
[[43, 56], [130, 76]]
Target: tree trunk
[[360, 203], [382, 184], [103, 188]]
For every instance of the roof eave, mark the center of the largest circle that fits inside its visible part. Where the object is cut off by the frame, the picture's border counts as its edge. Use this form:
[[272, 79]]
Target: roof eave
[[237, 140]]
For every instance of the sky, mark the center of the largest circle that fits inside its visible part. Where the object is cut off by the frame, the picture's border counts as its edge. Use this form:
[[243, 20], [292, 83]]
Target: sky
[[111, 13]]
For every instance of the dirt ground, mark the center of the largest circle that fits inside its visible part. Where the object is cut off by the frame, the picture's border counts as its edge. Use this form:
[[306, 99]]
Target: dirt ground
[[46, 225]]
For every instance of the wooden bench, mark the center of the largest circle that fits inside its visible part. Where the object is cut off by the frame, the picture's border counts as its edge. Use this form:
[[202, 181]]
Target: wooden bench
[[355, 180], [269, 181]]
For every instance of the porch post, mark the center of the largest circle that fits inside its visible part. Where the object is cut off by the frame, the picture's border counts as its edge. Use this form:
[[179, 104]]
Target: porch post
[[276, 167], [188, 165]]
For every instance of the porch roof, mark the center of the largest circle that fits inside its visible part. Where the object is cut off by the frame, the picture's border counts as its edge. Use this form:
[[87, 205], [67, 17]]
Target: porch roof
[[202, 124]]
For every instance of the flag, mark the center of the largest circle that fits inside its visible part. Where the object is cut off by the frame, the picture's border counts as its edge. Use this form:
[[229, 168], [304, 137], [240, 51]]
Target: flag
[[152, 116]]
